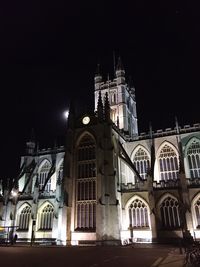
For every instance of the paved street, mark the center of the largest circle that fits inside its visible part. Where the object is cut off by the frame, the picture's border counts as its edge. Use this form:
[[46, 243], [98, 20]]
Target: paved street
[[84, 256]]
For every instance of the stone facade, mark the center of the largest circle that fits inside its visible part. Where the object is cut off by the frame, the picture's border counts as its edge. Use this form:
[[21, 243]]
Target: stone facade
[[108, 184]]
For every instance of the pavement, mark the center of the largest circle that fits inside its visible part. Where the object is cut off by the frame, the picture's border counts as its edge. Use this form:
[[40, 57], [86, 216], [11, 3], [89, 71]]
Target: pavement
[[173, 259]]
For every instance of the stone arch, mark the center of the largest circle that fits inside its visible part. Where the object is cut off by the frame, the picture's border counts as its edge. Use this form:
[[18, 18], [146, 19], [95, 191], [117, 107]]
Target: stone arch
[[167, 161], [169, 211], [84, 134], [45, 216], [142, 160], [195, 209], [137, 212], [43, 171], [192, 155], [24, 216]]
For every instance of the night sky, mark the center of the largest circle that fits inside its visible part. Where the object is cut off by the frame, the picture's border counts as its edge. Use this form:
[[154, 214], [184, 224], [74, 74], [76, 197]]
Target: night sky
[[50, 50]]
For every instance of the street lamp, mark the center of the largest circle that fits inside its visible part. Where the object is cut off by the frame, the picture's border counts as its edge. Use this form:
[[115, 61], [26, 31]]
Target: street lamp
[[14, 193]]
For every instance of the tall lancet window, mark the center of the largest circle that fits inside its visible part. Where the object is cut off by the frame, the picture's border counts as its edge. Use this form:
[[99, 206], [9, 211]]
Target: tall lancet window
[[169, 211], [138, 214], [168, 163], [197, 213], [43, 173], [86, 185], [24, 218], [141, 162], [193, 157], [46, 218]]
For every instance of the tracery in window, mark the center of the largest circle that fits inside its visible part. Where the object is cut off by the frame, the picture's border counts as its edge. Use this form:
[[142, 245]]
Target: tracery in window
[[43, 176], [168, 163], [24, 218], [86, 185], [169, 211], [193, 157], [46, 218], [138, 214], [141, 162]]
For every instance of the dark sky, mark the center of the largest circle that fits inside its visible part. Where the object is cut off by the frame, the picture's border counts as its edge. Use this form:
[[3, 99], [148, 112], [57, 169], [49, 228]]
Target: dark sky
[[50, 49]]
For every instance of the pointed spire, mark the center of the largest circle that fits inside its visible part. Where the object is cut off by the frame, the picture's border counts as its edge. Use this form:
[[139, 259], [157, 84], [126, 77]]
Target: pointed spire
[[181, 156], [114, 64], [120, 72], [119, 64], [151, 172], [55, 144], [32, 137], [100, 107], [30, 145], [7, 184], [97, 73], [150, 130], [97, 78], [177, 125], [107, 107]]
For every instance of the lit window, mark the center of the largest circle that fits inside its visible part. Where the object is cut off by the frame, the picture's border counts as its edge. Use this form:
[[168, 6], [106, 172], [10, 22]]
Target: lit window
[[86, 185], [141, 162], [169, 210], [44, 171], [168, 163], [46, 218], [193, 157], [24, 218], [138, 214]]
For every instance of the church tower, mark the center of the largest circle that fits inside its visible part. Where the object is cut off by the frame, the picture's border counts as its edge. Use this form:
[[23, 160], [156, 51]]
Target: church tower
[[121, 98]]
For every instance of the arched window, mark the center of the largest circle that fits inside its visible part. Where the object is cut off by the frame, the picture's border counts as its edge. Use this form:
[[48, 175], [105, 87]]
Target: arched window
[[197, 212], [86, 184], [24, 218], [138, 214], [169, 211], [141, 162], [43, 173], [168, 163], [46, 218], [193, 157]]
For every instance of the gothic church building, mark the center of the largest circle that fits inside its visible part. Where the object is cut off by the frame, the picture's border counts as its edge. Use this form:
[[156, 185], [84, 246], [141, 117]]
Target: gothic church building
[[109, 184]]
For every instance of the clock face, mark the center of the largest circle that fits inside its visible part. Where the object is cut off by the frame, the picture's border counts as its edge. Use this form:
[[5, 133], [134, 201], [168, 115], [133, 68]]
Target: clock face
[[86, 120]]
